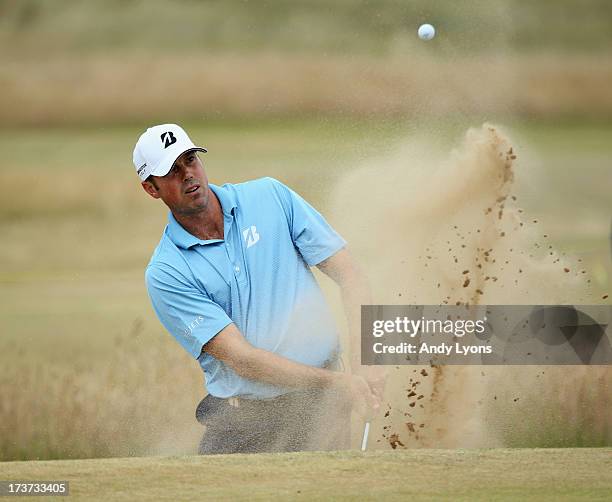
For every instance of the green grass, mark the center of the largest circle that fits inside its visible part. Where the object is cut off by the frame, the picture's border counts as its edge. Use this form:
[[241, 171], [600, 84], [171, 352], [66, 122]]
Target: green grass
[[503, 474]]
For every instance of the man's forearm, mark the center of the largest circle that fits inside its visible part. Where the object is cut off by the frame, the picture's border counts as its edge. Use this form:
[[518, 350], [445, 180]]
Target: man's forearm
[[260, 365], [355, 292], [248, 361], [264, 366]]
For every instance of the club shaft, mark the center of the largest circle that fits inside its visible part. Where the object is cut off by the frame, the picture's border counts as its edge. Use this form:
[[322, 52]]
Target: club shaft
[[366, 432]]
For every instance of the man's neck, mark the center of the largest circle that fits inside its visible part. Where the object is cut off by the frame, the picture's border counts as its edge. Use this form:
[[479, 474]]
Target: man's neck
[[205, 224]]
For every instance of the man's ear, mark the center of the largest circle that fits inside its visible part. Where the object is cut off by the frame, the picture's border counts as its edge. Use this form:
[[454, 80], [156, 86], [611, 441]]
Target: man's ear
[[150, 188]]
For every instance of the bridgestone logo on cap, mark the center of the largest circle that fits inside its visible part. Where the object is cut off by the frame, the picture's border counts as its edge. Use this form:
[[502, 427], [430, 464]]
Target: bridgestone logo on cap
[[168, 139], [141, 169]]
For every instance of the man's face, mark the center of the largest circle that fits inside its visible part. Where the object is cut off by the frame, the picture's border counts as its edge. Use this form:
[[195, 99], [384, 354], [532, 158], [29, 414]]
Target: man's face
[[185, 188]]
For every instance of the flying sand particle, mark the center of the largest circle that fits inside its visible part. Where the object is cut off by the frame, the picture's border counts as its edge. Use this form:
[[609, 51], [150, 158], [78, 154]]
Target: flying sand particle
[[394, 441]]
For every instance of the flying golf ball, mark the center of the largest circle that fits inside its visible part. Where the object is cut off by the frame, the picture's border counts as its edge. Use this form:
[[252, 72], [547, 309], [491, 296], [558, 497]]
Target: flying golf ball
[[426, 32]]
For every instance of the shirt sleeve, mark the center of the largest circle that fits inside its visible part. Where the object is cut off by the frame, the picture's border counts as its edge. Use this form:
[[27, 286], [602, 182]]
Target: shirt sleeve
[[185, 311], [314, 238]]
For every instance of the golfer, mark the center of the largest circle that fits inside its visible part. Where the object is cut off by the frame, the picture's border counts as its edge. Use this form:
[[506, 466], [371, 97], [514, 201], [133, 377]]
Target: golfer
[[231, 281]]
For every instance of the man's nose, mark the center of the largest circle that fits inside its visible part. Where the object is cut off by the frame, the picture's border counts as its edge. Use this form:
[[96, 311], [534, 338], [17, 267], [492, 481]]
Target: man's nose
[[187, 173]]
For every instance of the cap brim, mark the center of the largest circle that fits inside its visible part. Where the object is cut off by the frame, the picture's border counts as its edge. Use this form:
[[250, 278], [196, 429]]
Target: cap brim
[[166, 163]]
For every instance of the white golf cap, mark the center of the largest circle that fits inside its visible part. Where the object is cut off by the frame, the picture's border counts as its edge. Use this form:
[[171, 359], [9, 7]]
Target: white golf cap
[[158, 147]]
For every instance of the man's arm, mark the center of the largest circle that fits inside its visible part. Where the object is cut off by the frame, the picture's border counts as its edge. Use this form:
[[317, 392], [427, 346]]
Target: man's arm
[[355, 290], [230, 346]]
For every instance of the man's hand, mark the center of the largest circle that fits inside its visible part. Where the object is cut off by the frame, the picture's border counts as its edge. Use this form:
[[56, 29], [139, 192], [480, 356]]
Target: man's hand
[[376, 377], [359, 393]]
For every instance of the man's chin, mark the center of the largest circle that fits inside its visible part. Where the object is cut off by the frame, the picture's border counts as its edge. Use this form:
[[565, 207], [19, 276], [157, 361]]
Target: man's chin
[[196, 208], [189, 209]]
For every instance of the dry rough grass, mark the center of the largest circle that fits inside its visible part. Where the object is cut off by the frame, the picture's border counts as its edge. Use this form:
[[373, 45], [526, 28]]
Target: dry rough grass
[[133, 88], [137, 399]]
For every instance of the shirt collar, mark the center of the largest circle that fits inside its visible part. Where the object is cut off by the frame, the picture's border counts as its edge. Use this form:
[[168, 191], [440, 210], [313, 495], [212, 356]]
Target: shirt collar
[[184, 239], [226, 197]]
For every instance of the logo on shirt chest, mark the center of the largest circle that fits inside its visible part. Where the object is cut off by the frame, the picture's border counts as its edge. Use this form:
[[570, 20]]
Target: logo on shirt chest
[[251, 237]]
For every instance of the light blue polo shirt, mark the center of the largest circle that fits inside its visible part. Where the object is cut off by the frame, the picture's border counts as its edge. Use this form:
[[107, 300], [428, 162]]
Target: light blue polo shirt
[[257, 277]]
